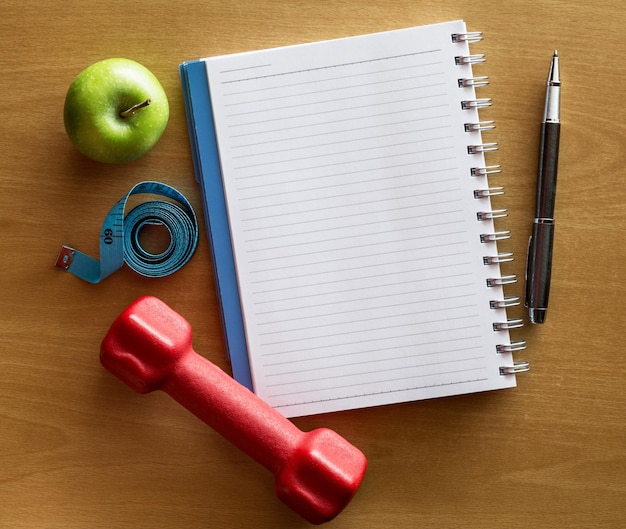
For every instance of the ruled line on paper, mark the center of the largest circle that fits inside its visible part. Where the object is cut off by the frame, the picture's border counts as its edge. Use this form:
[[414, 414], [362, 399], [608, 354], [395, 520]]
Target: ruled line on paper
[[353, 290], [352, 270], [352, 330], [339, 248], [327, 378], [464, 338], [365, 256], [351, 184], [347, 98], [410, 354], [334, 79], [341, 120], [347, 216], [358, 320], [330, 66], [354, 151], [319, 91], [360, 280], [365, 394], [364, 224], [245, 68], [336, 240], [357, 107], [395, 379], [342, 195], [367, 362], [273, 299], [355, 311], [277, 359], [333, 142], [345, 173]]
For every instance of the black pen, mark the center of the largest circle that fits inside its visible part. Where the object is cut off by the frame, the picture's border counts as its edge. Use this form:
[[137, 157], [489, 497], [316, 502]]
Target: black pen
[[539, 263]]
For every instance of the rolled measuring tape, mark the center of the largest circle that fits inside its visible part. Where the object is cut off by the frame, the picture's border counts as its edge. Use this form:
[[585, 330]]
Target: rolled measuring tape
[[119, 237]]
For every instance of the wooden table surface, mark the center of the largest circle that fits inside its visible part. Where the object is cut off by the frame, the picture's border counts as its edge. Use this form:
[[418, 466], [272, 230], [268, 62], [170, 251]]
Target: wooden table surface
[[78, 449]]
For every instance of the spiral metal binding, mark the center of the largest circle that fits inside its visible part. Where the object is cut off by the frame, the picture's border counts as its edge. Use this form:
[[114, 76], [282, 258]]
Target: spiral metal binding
[[508, 301], [471, 37], [481, 193], [495, 236], [470, 59], [484, 171], [493, 214], [515, 345], [511, 323], [489, 192], [517, 367], [503, 280], [484, 102], [476, 82], [483, 147], [480, 126], [504, 257]]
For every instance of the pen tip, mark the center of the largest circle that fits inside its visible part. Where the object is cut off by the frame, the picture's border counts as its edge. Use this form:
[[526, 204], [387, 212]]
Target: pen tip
[[556, 54]]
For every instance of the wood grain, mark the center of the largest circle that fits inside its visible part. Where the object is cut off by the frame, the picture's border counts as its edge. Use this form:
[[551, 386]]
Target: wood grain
[[78, 449]]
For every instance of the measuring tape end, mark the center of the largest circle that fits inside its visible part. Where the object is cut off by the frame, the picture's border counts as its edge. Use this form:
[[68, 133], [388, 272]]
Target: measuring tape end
[[64, 259]]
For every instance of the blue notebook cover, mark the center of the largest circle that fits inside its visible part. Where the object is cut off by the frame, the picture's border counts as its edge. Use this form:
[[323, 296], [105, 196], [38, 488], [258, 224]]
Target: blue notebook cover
[[208, 174]]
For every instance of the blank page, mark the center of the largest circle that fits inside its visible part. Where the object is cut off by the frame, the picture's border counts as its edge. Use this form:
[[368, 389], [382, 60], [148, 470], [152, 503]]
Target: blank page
[[354, 223]]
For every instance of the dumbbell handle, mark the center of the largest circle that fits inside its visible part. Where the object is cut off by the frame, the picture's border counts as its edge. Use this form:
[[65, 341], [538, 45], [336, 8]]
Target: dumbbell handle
[[232, 410]]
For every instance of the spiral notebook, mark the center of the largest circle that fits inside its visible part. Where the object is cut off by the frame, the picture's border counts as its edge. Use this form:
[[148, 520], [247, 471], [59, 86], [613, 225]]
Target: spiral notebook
[[348, 207]]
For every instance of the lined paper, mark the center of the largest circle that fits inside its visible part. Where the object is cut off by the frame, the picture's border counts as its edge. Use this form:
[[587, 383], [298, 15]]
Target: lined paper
[[354, 222]]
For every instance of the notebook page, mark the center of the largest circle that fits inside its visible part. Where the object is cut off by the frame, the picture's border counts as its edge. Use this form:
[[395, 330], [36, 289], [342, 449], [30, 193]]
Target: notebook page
[[353, 221]]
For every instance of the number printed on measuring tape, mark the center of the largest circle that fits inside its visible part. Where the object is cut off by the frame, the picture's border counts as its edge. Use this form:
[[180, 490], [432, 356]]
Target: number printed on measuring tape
[[119, 237]]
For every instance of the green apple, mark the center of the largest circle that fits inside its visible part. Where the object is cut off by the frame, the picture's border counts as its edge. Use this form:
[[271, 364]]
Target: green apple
[[115, 111]]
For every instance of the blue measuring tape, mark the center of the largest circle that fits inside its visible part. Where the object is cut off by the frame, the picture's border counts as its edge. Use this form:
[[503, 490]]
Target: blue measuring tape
[[119, 237]]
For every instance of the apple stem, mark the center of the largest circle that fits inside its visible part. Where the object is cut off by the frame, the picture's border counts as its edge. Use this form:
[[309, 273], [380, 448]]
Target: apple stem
[[134, 108]]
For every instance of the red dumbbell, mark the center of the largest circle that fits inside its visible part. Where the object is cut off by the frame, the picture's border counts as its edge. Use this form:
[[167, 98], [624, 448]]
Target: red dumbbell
[[149, 347]]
